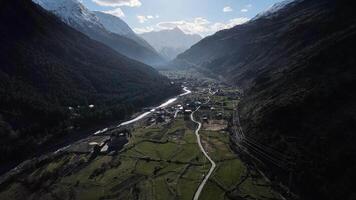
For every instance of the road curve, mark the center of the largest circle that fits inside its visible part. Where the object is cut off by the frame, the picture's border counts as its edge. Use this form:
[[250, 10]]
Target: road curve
[[213, 165]]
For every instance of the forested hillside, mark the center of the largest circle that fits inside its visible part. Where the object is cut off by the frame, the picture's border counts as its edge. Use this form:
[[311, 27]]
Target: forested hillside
[[76, 15], [297, 68], [51, 73]]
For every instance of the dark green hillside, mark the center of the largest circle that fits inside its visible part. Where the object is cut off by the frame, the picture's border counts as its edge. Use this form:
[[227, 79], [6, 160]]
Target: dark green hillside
[[297, 68], [46, 67]]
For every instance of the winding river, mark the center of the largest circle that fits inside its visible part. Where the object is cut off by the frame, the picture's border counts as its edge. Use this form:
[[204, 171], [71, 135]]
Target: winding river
[[143, 115], [165, 104], [15, 167]]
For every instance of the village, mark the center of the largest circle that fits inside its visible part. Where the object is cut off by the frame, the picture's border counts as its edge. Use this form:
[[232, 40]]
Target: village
[[214, 114], [157, 153]]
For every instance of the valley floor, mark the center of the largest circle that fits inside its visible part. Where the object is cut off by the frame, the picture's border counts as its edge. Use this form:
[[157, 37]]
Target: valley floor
[[156, 158]]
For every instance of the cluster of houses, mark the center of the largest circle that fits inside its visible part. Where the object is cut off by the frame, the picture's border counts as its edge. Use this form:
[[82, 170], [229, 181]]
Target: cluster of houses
[[112, 144], [162, 115]]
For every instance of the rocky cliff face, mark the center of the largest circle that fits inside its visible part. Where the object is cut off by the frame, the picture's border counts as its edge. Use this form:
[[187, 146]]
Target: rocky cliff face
[[297, 68]]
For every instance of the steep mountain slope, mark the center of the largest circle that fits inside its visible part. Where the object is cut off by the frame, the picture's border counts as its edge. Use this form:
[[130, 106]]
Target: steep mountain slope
[[116, 25], [170, 43], [297, 67], [73, 13], [46, 67]]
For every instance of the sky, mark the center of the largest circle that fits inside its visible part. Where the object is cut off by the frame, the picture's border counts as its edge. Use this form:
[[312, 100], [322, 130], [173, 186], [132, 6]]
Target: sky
[[203, 17]]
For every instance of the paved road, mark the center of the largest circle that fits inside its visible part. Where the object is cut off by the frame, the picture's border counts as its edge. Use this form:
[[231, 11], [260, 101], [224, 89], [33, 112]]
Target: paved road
[[213, 165]]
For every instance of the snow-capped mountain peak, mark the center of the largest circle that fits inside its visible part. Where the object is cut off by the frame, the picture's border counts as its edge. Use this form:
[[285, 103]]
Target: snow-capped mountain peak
[[170, 42], [118, 26], [70, 11], [76, 15], [113, 23]]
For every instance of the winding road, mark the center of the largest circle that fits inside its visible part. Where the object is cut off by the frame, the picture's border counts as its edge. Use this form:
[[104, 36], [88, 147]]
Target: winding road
[[213, 164]]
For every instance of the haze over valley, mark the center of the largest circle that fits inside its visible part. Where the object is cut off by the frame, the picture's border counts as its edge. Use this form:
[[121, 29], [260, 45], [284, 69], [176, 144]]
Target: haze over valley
[[172, 42]]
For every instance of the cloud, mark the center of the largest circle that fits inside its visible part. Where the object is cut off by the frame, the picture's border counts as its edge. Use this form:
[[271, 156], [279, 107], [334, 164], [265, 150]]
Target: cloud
[[246, 8], [116, 3], [116, 12], [142, 18], [197, 25], [144, 29], [227, 9]]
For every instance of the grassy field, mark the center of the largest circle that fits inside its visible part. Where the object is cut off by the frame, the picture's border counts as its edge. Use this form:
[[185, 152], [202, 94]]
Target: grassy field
[[232, 179], [159, 163]]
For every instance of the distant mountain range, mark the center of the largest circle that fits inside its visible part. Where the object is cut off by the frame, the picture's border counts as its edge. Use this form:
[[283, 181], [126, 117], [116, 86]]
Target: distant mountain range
[[97, 26], [50, 74], [296, 64], [170, 43], [116, 25]]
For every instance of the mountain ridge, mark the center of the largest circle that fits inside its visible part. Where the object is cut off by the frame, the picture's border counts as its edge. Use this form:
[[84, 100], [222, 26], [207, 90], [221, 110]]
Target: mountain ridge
[[75, 14], [170, 43], [50, 73], [119, 26], [296, 68]]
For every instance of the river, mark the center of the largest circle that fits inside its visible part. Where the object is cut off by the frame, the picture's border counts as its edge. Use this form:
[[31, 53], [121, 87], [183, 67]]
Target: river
[[163, 105], [143, 115]]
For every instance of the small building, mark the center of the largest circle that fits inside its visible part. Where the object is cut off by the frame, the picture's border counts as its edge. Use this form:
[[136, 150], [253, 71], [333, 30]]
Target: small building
[[187, 114], [205, 119], [198, 103], [104, 149], [188, 111]]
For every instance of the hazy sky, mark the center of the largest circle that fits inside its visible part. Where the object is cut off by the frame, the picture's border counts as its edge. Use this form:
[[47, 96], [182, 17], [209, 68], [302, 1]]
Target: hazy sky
[[203, 17]]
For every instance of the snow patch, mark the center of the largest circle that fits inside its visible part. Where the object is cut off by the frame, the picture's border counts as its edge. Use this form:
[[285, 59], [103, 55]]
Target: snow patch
[[273, 10], [114, 24], [71, 12]]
